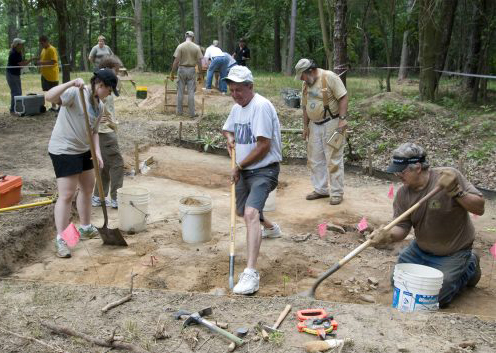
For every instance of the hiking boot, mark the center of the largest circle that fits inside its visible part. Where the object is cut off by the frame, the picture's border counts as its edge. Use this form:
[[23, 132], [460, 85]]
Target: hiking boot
[[114, 204], [89, 233], [95, 201], [314, 195], [248, 282], [472, 282], [336, 200], [271, 233], [62, 249]]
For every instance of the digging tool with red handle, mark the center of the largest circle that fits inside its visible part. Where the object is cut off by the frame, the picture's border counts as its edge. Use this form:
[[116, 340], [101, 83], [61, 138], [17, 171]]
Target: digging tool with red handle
[[109, 236], [311, 293]]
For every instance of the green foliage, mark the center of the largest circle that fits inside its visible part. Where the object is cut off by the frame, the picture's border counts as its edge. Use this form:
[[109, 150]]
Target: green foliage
[[483, 152], [394, 113], [276, 338]]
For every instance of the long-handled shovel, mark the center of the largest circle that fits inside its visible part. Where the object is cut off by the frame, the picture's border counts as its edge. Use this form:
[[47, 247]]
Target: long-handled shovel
[[358, 250], [233, 223], [109, 236]]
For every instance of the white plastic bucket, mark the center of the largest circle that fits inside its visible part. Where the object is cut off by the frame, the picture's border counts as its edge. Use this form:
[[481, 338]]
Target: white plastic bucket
[[270, 203], [133, 208], [196, 218], [416, 287]]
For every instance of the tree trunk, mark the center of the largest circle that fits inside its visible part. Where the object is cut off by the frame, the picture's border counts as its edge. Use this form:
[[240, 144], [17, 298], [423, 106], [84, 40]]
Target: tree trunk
[[325, 38], [150, 20], [182, 17], [113, 26], [138, 16], [365, 58], [403, 72], [292, 35], [196, 19], [60, 7], [475, 44], [384, 35], [12, 12], [277, 39], [285, 39], [330, 22], [434, 28], [340, 38]]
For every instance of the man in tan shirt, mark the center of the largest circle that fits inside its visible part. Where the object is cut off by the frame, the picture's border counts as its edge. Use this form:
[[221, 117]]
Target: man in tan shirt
[[443, 230], [186, 57], [325, 104]]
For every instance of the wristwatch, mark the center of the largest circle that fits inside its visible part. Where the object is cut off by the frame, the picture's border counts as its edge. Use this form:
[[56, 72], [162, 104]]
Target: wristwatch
[[342, 117]]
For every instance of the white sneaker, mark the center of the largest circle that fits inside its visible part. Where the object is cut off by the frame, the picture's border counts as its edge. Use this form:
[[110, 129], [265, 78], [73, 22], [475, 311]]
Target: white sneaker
[[62, 249], [248, 282], [271, 233], [114, 204]]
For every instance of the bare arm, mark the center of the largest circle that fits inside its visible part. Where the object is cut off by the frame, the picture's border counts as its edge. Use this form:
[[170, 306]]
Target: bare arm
[[175, 64], [472, 203], [53, 95], [343, 110], [398, 233], [258, 153], [306, 121]]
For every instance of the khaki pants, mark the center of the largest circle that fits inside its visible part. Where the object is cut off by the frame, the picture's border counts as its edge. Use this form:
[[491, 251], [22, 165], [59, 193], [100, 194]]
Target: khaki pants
[[113, 165], [186, 78], [325, 163]]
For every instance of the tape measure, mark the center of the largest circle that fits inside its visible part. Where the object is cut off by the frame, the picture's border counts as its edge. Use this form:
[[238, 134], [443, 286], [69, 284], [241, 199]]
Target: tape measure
[[316, 322]]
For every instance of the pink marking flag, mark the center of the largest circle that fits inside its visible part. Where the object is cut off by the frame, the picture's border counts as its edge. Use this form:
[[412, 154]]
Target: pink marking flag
[[391, 192], [70, 235], [493, 250], [362, 225], [322, 230]]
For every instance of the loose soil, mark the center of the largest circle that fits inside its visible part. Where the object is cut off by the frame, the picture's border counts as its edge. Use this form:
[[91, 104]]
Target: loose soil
[[173, 274]]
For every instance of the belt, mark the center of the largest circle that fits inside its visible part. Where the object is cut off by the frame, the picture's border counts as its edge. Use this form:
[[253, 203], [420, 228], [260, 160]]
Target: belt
[[322, 121]]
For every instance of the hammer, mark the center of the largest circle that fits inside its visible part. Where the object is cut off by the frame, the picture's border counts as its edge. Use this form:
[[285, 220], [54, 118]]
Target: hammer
[[265, 328], [197, 318]]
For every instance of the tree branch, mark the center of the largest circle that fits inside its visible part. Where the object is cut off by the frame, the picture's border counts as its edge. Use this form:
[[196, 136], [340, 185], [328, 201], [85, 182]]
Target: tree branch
[[32, 339]]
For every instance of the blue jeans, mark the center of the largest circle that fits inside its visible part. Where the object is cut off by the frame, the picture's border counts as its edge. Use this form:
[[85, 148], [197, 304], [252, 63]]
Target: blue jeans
[[220, 63], [457, 268], [14, 82]]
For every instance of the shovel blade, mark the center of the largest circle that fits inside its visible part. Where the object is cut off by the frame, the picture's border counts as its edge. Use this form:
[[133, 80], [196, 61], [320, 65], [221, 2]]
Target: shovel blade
[[112, 236]]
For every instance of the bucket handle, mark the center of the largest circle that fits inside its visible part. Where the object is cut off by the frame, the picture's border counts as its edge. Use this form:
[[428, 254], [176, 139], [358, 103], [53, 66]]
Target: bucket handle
[[146, 214]]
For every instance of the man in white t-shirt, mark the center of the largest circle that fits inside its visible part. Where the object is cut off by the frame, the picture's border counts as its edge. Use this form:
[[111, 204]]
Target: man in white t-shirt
[[253, 129], [218, 62]]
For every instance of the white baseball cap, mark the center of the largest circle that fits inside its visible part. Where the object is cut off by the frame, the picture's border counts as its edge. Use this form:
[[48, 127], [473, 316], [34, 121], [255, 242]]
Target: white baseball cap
[[190, 34], [18, 41], [239, 74]]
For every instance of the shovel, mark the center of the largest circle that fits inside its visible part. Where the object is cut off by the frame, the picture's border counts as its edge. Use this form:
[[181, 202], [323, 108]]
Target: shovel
[[311, 293], [109, 236], [233, 224]]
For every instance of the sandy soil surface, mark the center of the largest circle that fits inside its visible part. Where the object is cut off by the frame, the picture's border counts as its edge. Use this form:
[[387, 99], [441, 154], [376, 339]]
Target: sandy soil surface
[[73, 291]]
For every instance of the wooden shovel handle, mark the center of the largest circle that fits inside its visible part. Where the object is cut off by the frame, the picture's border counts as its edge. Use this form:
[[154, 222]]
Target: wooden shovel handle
[[93, 156], [282, 316]]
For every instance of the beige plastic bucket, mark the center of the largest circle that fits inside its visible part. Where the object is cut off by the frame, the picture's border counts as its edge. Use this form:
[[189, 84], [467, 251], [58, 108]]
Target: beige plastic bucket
[[133, 208], [196, 218]]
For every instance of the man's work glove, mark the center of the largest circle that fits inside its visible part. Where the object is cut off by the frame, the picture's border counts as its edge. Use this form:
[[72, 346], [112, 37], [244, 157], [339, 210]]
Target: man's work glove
[[380, 236], [449, 182], [171, 76]]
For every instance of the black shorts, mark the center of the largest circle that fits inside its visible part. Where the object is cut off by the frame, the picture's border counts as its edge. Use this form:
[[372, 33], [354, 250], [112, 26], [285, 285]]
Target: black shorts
[[70, 164], [254, 186], [47, 85]]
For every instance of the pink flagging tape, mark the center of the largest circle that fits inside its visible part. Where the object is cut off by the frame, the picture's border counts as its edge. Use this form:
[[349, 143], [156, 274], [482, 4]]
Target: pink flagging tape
[[70, 235]]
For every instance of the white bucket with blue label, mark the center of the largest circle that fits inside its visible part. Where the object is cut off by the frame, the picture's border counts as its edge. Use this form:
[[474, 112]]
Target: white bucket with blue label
[[416, 287]]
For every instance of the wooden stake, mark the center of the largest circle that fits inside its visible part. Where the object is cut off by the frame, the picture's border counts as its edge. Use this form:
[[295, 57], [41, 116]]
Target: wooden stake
[[180, 132], [100, 342], [203, 104], [461, 164], [136, 159], [198, 135], [369, 154]]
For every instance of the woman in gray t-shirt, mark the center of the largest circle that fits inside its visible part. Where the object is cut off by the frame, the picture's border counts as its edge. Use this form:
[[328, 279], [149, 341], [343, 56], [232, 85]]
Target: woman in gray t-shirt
[[99, 51]]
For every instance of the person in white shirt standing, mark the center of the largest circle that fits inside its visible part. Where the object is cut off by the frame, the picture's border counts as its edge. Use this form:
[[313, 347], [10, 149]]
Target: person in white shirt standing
[[217, 62], [253, 130]]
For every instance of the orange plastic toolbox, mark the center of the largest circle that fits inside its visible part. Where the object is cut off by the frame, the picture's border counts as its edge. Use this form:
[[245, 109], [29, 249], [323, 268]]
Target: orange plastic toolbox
[[10, 190]]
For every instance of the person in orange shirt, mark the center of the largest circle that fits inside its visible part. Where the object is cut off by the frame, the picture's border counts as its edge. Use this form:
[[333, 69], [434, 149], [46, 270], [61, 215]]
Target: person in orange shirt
[[49, 62]]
